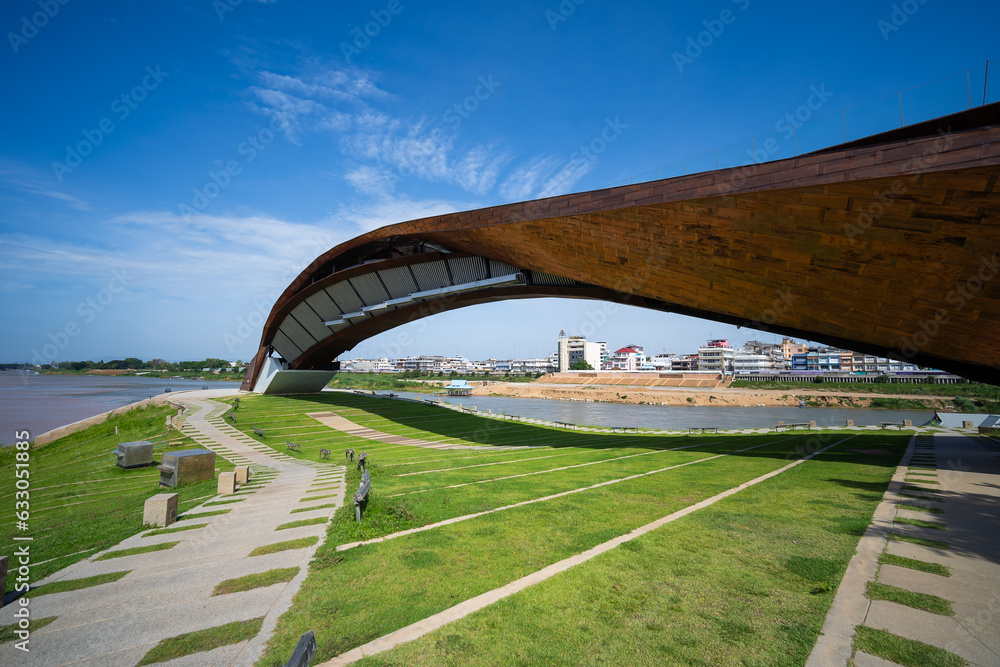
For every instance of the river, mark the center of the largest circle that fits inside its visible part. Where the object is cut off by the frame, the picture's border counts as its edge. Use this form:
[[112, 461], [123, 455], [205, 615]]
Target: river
[[673, 417], [40, 403]]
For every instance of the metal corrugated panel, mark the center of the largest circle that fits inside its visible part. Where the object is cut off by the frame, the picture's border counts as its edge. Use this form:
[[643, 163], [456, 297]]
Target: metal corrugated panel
[[307, 318], [297, 334], [345, 297], [339, 327], [399, 281], [549, 280], [324, 306], [498, 268], [467, 269], [369, 288], [431, 275], [286, 348]]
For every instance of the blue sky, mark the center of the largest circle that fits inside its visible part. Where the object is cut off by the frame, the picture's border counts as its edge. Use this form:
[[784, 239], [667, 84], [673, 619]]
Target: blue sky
[[167, 167]]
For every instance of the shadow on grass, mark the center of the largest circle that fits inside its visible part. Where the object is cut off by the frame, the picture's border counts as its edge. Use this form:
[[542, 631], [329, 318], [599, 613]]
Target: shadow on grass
[[446, 423]]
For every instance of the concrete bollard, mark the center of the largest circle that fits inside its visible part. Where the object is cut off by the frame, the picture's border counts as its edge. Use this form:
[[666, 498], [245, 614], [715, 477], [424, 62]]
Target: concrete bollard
[[160, 510], [812, 424], [781, 423], [242, 474], [850, 423], [227, 482], [966, 424], [907, 423]]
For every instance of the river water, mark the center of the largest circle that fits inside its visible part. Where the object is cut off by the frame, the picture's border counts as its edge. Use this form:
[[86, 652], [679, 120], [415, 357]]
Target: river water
[[40, 403], [674, 417]]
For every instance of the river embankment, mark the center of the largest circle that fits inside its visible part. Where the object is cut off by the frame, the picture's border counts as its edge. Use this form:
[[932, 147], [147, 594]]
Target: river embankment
[[715, 396], [42, 403]]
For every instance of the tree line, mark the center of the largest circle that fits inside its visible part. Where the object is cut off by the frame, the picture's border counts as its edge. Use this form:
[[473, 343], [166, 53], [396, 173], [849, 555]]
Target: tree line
[[132, 363]]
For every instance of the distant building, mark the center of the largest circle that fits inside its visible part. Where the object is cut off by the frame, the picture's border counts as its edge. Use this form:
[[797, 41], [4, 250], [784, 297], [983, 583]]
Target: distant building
[[823, 359], [458, 388], [790, 348], [687, 362], [869, 363], [574, 348], [716, 356], [628, 358], [661, 362], [435, 364], [747, 362], [533, 366]]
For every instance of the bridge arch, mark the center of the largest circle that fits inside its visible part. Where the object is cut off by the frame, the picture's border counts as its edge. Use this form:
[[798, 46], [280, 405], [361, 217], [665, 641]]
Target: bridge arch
[[886, 246]]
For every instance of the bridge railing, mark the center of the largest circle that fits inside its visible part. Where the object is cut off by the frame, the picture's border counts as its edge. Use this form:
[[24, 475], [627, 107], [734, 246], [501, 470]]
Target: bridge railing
[[797, 135]]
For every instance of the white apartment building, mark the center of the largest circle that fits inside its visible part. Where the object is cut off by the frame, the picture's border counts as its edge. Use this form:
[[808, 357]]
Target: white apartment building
[[716, 358], [574, 348], [661, 362], [869, 363], [629, 358], [531, 365], [747, 362]]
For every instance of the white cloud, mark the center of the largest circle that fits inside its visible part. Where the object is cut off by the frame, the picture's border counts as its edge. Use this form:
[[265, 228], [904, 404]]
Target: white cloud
[[526, 179], [322, 100], [371, 180], [199, 258], [392, 210], [27, 180], [344, 103], [568, 176]]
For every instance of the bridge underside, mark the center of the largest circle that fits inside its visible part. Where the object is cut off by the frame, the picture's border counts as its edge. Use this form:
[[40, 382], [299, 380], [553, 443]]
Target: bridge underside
[[886, 248]]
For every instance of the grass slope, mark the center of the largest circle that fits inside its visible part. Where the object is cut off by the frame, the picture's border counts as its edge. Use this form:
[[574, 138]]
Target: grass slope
[[80, 501]]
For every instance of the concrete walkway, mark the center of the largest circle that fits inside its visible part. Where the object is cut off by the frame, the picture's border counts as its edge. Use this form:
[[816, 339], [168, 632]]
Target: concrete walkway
[[169, 592], [960, 475], [338, 423]]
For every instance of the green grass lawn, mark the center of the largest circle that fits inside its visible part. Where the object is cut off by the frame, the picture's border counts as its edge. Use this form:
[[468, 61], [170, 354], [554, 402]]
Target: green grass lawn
[[202, 640], [80, 501], [746, 581]]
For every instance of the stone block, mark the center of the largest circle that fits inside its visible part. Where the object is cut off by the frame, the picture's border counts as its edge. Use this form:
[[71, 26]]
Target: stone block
[[160, 510], [907, 423], [242, 474], [966, 424], [227, 482], [850, 423], [812, 424], [187, 467]]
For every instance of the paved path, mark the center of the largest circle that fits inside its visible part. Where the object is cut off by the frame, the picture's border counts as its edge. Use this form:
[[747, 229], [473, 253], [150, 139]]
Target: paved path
[[337, 422], [967, 475], [170, 592]]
